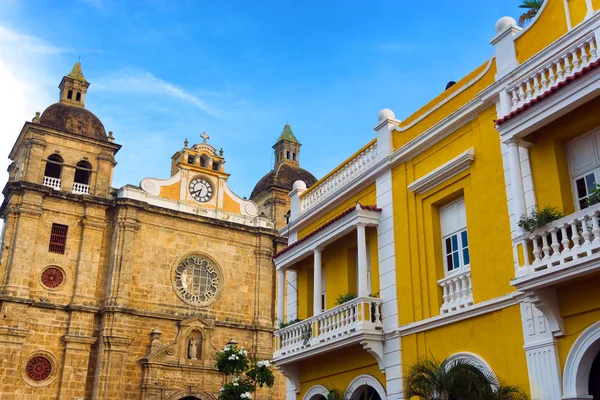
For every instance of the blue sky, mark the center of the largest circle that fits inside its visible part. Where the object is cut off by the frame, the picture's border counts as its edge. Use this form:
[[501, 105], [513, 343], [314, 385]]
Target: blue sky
[[163, 71]]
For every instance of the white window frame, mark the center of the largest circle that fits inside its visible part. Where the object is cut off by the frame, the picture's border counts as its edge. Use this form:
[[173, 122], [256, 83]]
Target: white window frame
[[451, 228], [592, 167]]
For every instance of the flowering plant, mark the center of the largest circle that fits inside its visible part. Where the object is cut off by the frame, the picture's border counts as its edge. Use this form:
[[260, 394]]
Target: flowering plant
[[237, 389], [261, 374], [232, 361]]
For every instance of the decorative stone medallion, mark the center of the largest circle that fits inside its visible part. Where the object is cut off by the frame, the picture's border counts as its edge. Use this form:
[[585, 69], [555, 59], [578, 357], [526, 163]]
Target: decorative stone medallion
[[52, 277], [38, 368], [197, 280]]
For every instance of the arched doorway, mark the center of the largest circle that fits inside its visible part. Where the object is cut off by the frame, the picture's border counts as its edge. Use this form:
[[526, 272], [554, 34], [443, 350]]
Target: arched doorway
[[365, 392], [366, 387], [189, 398], [594, 381]]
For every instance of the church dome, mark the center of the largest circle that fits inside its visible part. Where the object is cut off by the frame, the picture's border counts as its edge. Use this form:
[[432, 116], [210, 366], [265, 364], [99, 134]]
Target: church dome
[[73, 119], [283, 176]]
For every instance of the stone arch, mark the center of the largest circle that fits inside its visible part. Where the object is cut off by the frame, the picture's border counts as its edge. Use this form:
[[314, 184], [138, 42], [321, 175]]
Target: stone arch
[[362, 380], [579, 363], [188, 393], [315, 391], [476, 359]]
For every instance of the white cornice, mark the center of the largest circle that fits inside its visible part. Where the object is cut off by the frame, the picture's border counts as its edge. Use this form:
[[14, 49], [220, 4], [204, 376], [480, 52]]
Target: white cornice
[[443, 172], [328, 235], [478, 309]]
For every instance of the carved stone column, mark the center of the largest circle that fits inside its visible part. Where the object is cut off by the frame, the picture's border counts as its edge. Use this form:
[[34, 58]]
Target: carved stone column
[[75, 366], [112, 363]]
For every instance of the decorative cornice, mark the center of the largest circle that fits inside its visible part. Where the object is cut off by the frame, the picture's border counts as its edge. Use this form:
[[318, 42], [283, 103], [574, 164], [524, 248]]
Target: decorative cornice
[[478, 309], [443, 172]]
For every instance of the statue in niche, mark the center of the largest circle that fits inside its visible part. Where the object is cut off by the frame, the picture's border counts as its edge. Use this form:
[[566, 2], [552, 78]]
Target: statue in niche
[[193, 348]]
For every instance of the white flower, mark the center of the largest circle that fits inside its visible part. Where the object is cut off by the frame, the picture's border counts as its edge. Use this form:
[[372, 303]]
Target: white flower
[[227, 348], [243, 352], [246, 395], [233, 357], [264, 363], [237, 379], [221, 390], [236, 384]]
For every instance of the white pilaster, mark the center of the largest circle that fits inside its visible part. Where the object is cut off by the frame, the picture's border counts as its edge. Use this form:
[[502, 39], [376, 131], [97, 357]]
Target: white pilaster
[[516, 180], [295, 202], [317, 282], [590, 9], [280, 295], [542, 355], [386, 122], [504, 46], [363, 288], [292, 295]]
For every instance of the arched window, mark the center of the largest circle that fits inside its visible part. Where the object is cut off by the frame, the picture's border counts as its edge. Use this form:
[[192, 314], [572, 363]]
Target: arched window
[[78, 98], [70, 95], [204, 161], [190, 159], [216, 166], [288, 215], [53, 166], [83, 170], [294, 156], [288, 155], [366, 385]]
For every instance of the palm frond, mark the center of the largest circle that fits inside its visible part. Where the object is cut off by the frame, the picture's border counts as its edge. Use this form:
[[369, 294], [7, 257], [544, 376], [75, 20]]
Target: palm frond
[[532, 4]]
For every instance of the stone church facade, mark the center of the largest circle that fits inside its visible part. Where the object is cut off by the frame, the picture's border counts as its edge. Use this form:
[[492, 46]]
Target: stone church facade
[[125, 293]]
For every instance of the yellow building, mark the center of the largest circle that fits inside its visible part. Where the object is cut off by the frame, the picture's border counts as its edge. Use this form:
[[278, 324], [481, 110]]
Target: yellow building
[[422, 224]]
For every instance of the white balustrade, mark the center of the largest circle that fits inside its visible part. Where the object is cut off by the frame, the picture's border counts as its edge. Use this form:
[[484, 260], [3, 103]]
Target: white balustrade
[[54, 183], [363, 313], [554, 72], [80, 188], [569, 241], [347, 173], [458, 292]]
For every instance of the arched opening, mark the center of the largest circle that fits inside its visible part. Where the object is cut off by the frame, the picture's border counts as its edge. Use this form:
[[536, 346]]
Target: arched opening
[[78, 97], [190, 159], [204, 161], [365, 392], [288, 215], [594, 380], [317, 392], [81, 181], [216, 166], [53, 171], [366, 387], [189, 398], [70, 94]]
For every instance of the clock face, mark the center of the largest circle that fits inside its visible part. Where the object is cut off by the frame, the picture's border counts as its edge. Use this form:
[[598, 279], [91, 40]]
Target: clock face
[[201, 190]]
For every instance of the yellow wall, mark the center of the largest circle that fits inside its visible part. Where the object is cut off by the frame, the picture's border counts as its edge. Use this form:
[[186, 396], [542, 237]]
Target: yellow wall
[[579, 307], [419, 263], [335, 370], [496, 337], [366, 197], [549, 159]]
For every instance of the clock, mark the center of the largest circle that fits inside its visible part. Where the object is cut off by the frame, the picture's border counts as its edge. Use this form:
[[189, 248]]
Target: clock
[[201, 190]]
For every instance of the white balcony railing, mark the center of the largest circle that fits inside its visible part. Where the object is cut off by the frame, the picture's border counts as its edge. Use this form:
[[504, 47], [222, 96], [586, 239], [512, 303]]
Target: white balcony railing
[[458, 292], [343, 321], [569, 241], [54, 183], [80, 188], [340, 178], [554, 72]]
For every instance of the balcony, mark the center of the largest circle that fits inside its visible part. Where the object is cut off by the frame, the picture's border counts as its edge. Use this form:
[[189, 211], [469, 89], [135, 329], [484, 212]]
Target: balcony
[[80, 188], [562, 250], [358, 321], [458, 292], [54, 183]]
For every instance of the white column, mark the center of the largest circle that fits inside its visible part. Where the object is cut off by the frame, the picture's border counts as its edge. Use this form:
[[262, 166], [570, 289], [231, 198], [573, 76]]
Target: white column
[[516, 179], [317, 282], [590, 9], [280, 294], [363, 289]]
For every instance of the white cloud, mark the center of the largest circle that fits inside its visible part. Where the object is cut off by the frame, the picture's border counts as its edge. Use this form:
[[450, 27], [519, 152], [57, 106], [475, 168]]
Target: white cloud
[[27, 85], [142, 82]]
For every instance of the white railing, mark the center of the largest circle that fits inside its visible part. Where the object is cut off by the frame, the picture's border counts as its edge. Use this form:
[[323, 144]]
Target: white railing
[[339, 179], [80, 188], [553, 72], [54, 183], [363, 313], [567, 241], [458, 292]]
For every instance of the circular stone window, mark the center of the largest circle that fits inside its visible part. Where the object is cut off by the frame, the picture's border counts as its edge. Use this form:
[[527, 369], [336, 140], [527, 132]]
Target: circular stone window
[[197, 280], [39, 369], [52, 277]]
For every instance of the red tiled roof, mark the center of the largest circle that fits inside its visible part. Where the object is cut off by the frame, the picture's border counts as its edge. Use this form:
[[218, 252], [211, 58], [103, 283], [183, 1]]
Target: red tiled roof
[[325, 225], [568, 80]]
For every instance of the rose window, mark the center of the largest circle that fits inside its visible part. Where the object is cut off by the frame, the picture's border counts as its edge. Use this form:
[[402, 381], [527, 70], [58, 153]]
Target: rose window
[[52, 277], [38, 369], [196, 280]]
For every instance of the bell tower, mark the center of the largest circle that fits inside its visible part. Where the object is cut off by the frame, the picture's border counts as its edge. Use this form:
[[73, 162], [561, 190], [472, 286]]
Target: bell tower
[[73, 87], [287, 148]]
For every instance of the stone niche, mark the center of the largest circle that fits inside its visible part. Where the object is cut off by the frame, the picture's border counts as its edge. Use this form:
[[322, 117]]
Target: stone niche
[[182, 368]]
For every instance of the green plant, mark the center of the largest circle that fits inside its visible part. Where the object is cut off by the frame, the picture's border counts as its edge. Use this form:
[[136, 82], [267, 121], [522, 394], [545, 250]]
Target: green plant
[[459, 379], [538, 219], [233, 361], [306, 334], [289, 323], [336, 394], [374, 295], [261, 374], [594, 197], [532, 7], [344, 298]]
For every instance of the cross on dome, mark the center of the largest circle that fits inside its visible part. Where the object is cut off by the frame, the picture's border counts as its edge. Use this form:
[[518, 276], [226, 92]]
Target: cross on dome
[[204, 137]]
